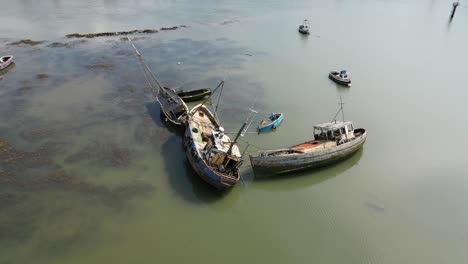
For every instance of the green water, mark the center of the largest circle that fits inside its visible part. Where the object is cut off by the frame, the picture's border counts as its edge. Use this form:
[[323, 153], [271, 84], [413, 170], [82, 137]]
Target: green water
[[90, 173]]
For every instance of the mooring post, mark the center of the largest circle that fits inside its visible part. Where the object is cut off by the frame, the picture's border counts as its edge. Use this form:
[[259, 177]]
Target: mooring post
[[454, 8]]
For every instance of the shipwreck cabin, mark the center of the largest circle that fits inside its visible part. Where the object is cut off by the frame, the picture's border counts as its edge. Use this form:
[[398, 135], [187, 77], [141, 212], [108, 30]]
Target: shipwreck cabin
[[340, 132]]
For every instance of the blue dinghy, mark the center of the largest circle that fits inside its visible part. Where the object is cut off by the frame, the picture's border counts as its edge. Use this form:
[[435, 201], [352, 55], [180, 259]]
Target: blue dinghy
[[271, 122]]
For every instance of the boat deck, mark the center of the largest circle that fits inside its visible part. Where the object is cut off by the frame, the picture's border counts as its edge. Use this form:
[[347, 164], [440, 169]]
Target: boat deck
[[312, 146], [206, 129]]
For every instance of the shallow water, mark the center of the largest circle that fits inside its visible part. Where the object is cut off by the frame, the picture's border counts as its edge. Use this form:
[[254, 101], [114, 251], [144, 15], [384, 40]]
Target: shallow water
[[90, 173]]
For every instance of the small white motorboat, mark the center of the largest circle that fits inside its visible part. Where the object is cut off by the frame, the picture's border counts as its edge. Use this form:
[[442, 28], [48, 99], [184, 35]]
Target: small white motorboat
[[6, 61], [342, 77], [304, 27]]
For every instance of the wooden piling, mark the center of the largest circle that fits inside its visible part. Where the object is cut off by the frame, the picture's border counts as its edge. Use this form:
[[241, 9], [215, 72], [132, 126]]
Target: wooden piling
[[454, 8]]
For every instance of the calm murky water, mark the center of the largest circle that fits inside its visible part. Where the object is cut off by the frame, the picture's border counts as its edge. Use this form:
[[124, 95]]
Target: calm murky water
[[90, 173]]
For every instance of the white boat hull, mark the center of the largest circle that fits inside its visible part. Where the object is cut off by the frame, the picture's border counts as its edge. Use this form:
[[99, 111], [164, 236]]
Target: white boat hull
[[4, 63]]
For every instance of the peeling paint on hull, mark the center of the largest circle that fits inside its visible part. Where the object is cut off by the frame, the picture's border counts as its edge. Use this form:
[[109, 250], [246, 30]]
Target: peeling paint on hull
[[267, 166]]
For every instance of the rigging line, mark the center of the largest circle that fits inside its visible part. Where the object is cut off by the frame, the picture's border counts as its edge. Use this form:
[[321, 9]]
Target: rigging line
[[334, 118], [161, 88], [221, 86], [252, 144], [143, 61], [251, 116], [214, 91], [247, 132], [245, 150], [341, 107], [149, 83], [339, 110], [145, 74]]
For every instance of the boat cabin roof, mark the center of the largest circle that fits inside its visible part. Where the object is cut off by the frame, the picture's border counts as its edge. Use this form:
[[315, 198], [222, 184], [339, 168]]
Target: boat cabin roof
[[332, 126]]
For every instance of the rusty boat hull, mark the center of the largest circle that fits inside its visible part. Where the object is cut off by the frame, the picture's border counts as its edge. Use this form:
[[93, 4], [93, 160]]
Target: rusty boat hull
[[172, 106], [293, 160], [220, 180]]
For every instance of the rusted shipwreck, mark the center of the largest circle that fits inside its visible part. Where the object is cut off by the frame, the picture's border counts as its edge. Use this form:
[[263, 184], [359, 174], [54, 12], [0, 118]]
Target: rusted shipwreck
[[211, 153], [172, 106], [332, 142]]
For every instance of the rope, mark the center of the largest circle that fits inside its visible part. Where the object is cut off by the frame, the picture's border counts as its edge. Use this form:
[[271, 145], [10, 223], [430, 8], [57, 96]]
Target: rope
[[145, 66], [250, 144]]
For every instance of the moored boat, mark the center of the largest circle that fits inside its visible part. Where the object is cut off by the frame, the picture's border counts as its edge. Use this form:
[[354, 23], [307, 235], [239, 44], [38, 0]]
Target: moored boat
[[211, 153], [194, 95], [341, 77], [6, 61], [304, 27], [271, 122], [332, 142], [172, 106]]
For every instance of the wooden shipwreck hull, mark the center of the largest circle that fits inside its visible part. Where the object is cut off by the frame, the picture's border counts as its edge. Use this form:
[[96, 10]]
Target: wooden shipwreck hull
[[218, 180], [194, 95], [212, 155], [293, 159], [172, 106]]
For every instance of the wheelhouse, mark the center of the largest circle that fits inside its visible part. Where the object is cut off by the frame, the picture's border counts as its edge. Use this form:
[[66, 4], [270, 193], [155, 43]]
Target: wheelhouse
[[337, 131]]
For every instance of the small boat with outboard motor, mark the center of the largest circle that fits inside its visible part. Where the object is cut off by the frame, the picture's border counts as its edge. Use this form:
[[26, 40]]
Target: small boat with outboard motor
[[271, 122], [342, 77]]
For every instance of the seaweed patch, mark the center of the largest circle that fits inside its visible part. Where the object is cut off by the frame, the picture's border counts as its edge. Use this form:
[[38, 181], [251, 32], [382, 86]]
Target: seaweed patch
[[108, 66], [23, 185], [28, 42], [42, 76], [111, 34], [105, 154], [122, 33]]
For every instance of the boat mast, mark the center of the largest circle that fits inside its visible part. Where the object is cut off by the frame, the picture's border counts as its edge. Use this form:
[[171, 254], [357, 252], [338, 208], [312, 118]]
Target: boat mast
[[251, 118], [221, 87], [340, 110], [237, 137], [161, 88]]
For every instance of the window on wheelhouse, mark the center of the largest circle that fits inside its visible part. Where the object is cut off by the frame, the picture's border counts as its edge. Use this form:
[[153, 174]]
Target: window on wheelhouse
[[319, 134]]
